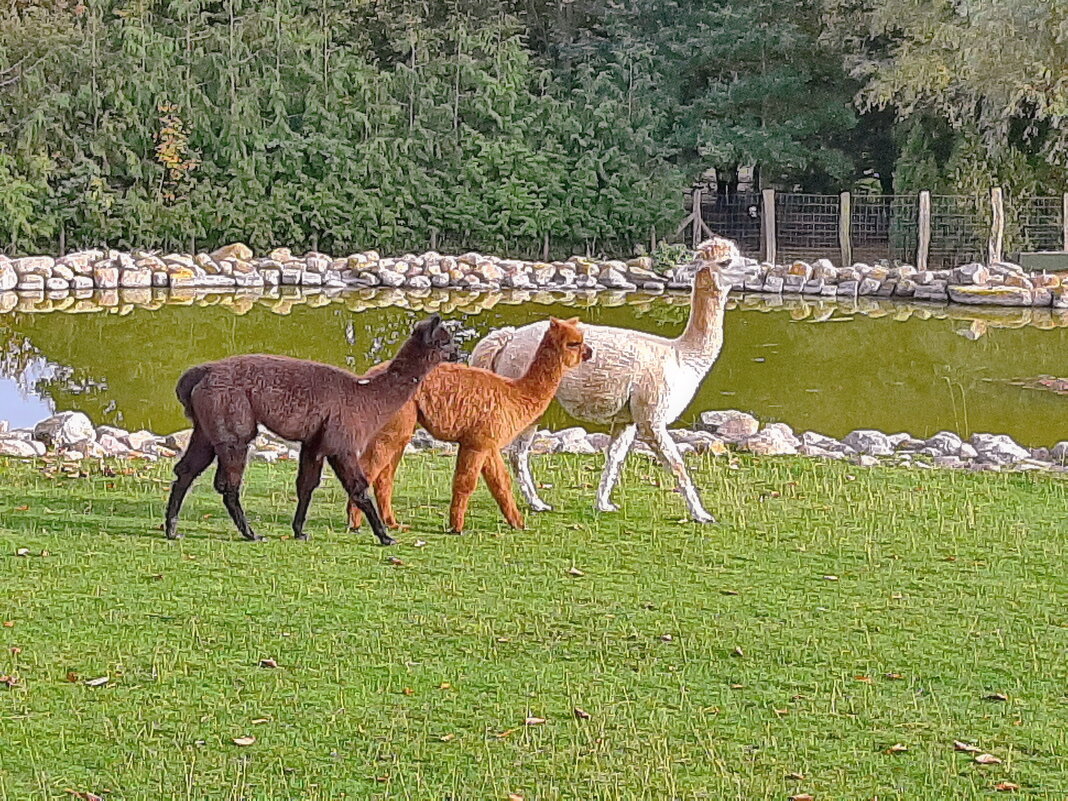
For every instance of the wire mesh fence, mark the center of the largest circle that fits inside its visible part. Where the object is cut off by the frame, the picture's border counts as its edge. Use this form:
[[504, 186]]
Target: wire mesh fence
[[806, 225], [1034, 223], [883, 227]]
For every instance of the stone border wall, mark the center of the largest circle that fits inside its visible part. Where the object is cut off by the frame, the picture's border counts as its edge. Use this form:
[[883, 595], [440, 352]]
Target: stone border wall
[[71, 437], [235, 267]]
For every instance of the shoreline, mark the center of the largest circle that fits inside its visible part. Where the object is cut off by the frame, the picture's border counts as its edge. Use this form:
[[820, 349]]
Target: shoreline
[[234, 267], [71, 436]]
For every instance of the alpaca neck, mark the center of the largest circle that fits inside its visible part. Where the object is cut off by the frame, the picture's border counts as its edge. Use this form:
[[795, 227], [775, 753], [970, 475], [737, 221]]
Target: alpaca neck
[[390, 388], [544, 375], [704, 330]]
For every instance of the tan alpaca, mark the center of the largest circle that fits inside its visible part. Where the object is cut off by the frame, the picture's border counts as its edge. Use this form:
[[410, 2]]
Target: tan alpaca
[[637, 383], [481, 411]]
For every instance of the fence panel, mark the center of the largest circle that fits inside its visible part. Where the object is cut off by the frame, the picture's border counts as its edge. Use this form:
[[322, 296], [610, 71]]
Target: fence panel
[[734, 216], [806, 226], [960, 225], [1034, 223]]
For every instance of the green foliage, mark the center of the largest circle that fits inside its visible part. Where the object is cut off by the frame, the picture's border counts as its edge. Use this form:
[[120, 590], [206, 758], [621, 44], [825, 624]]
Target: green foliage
[[979, 78], [194, 123]]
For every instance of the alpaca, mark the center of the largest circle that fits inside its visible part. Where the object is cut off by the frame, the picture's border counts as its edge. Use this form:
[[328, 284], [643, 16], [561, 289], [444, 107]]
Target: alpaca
[[331, 412], [639, 381], [481, 411]]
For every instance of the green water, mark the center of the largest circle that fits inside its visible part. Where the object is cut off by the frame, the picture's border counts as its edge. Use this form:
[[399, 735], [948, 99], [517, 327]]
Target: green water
[[821, 366]]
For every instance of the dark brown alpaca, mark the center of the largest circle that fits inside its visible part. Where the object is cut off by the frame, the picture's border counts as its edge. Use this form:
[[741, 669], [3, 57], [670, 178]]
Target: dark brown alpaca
[[331, 412]]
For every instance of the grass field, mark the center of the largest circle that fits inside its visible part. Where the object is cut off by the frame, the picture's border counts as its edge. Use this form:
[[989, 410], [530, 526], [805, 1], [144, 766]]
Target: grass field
[[833, 637]]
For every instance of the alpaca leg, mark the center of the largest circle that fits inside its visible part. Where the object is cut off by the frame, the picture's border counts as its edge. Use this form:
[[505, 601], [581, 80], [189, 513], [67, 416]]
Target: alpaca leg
[[228, 484], [519, 456], [383, 485], [500, 486], [197, 457], [308, 477], [465, 479], [352, 478], [669, 454], [617, 452]]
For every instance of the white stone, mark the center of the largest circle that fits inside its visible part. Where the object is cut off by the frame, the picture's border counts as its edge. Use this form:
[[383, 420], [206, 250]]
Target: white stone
[[14, 446], [869, 441], [729, 425], [998, 448], [64, 429], [776, 439]]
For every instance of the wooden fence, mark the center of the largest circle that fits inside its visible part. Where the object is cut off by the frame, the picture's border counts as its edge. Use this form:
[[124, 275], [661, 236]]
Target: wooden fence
[[929, 231]]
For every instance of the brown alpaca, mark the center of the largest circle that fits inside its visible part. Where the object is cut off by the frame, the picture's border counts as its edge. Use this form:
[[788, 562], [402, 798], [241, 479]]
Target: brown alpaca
[[331, 412], [481, 411]]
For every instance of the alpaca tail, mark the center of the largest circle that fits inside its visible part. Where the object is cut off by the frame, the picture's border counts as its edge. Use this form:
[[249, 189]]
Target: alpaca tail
[[489, 350], [184, 390]]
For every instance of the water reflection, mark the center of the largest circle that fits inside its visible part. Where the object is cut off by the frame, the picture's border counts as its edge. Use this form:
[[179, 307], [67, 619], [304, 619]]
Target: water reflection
[[815, 364]]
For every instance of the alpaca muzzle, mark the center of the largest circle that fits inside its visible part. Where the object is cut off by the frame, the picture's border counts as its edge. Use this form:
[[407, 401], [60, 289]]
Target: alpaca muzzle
[[587, 353]]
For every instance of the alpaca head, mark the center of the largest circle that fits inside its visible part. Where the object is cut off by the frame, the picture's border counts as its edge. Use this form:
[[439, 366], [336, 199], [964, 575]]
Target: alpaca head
[[566, 337], [710, 277], [435, 340], [716, 248]]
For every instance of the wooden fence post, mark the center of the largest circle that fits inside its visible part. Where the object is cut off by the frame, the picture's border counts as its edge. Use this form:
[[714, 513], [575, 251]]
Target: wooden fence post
[[845, 228], [995, 245], [697, 193], [1064, 221], [545, 247], [767, 223], [923, 235]]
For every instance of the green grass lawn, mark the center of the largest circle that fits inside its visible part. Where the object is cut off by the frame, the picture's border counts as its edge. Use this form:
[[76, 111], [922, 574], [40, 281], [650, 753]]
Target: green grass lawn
[[835, 613]]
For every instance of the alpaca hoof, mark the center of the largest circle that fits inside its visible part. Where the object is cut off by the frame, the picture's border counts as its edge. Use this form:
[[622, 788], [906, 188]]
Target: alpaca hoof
[[704, 517], [174, 535], [253, 537], [540, 506], [607, 507], [300, 536], [386, 540]]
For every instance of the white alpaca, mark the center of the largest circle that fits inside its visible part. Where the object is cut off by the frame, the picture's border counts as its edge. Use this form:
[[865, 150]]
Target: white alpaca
[[639, 381]]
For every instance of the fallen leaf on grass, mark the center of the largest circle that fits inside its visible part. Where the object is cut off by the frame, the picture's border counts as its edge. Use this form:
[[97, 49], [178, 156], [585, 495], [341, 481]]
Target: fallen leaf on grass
[[581, 714], [394, 560], [100, 681], [1006, 787], [893, 676], [23, 508], [865, 679], [795, 777], [966, 747], [666, 637], [9, 624], [22, 552], [830, 578], [729, 592], [15, 650], [9, 681], [802, 797], [781, 712], [246, 740], [419, 544], [987, 759], [447, 738], [260, 721], [408, 691], [738, 651], [515, 797], [574, 571], [897, 748], [268, 663], [84, 796], [72, 677], [445, 686], [532, 721], [505, 733], [996, 697], [381, 779]]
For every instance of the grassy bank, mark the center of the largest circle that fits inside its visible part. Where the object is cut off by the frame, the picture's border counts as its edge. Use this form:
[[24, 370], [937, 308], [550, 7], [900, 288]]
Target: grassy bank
[[836, 615]]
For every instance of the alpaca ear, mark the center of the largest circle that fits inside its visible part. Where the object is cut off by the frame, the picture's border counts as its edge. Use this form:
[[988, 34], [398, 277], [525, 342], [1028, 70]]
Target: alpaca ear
[[554, 322]]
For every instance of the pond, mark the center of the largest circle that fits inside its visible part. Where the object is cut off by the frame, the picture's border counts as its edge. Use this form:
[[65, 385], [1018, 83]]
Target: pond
[[818, 365]]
